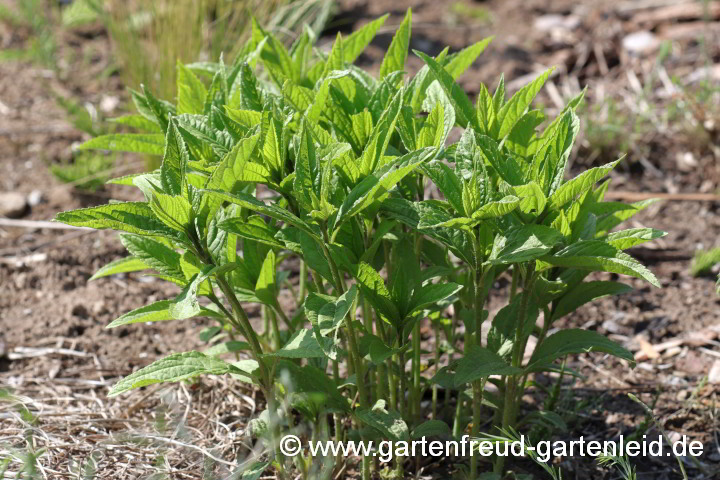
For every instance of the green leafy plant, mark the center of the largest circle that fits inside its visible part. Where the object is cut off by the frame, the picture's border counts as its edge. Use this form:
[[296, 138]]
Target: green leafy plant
[[294, 170]]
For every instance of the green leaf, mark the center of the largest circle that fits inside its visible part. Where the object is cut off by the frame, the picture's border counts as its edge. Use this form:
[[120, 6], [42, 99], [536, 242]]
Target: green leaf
[[438, 124], [380, 136], [175, 160], [139, 122], [532, 198], [249, 96], [598, 255], [147, 143], [389, 423], [191, 91], [303, 344], [584, 293], [276, 58], [252, 203], [256, 230], [273, 150], [579, 185], [459, 99], [447, 182], [376, 186], [625, 239], [121, 265], [431, 428], [247, 118], [479, 362], [496, 209], [606, 224], [524, 243], [514, 109], [132, 217], [432, 294], [574, 340], [186, 305], [397, 52], [373, 288], [232, 346], [174, 211], [327, 315], [460, 61], [265, 289], [253, 472], [153, 254], [356, 43], [155, 312], [174, 368]]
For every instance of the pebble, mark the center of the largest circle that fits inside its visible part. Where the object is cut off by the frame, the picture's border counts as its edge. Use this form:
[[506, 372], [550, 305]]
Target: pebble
[[640, 42], [714, 375], [546, 23], [12, 205], [35, 198]]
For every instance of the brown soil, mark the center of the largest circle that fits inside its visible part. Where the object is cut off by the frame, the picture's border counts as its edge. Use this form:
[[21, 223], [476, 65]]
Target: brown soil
[[56, 353]]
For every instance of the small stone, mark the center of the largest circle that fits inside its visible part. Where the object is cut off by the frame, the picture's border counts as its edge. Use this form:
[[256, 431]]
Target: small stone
[[98, 307], [12, 205], [686, 161], [640, 42], [35, 198], [549, 22], [109, 103], [714, 375]]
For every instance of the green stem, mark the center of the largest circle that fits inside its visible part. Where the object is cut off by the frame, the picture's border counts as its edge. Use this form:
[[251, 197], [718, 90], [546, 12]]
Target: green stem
[[352, 343], [478, 385], [415, 414], [275, 329], [511, 382], [436, 330], [302, 292], [241, 321]]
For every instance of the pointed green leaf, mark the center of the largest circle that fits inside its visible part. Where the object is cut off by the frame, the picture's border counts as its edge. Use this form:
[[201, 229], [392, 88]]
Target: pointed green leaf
[[303, 344], [524, 243], [388, 422], [132, 217], [460, 101], [121, 265], [147, 143], [153, 254], [155, 312], [174, 211], [376, 186], [625, 239], [586, 292], [479, 362], [174, 368], [397, 52], [598, 255], [575, 340], [191, 91], [175, 160], [579, 185], [514, 109], [265, 289], [356, 43]]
